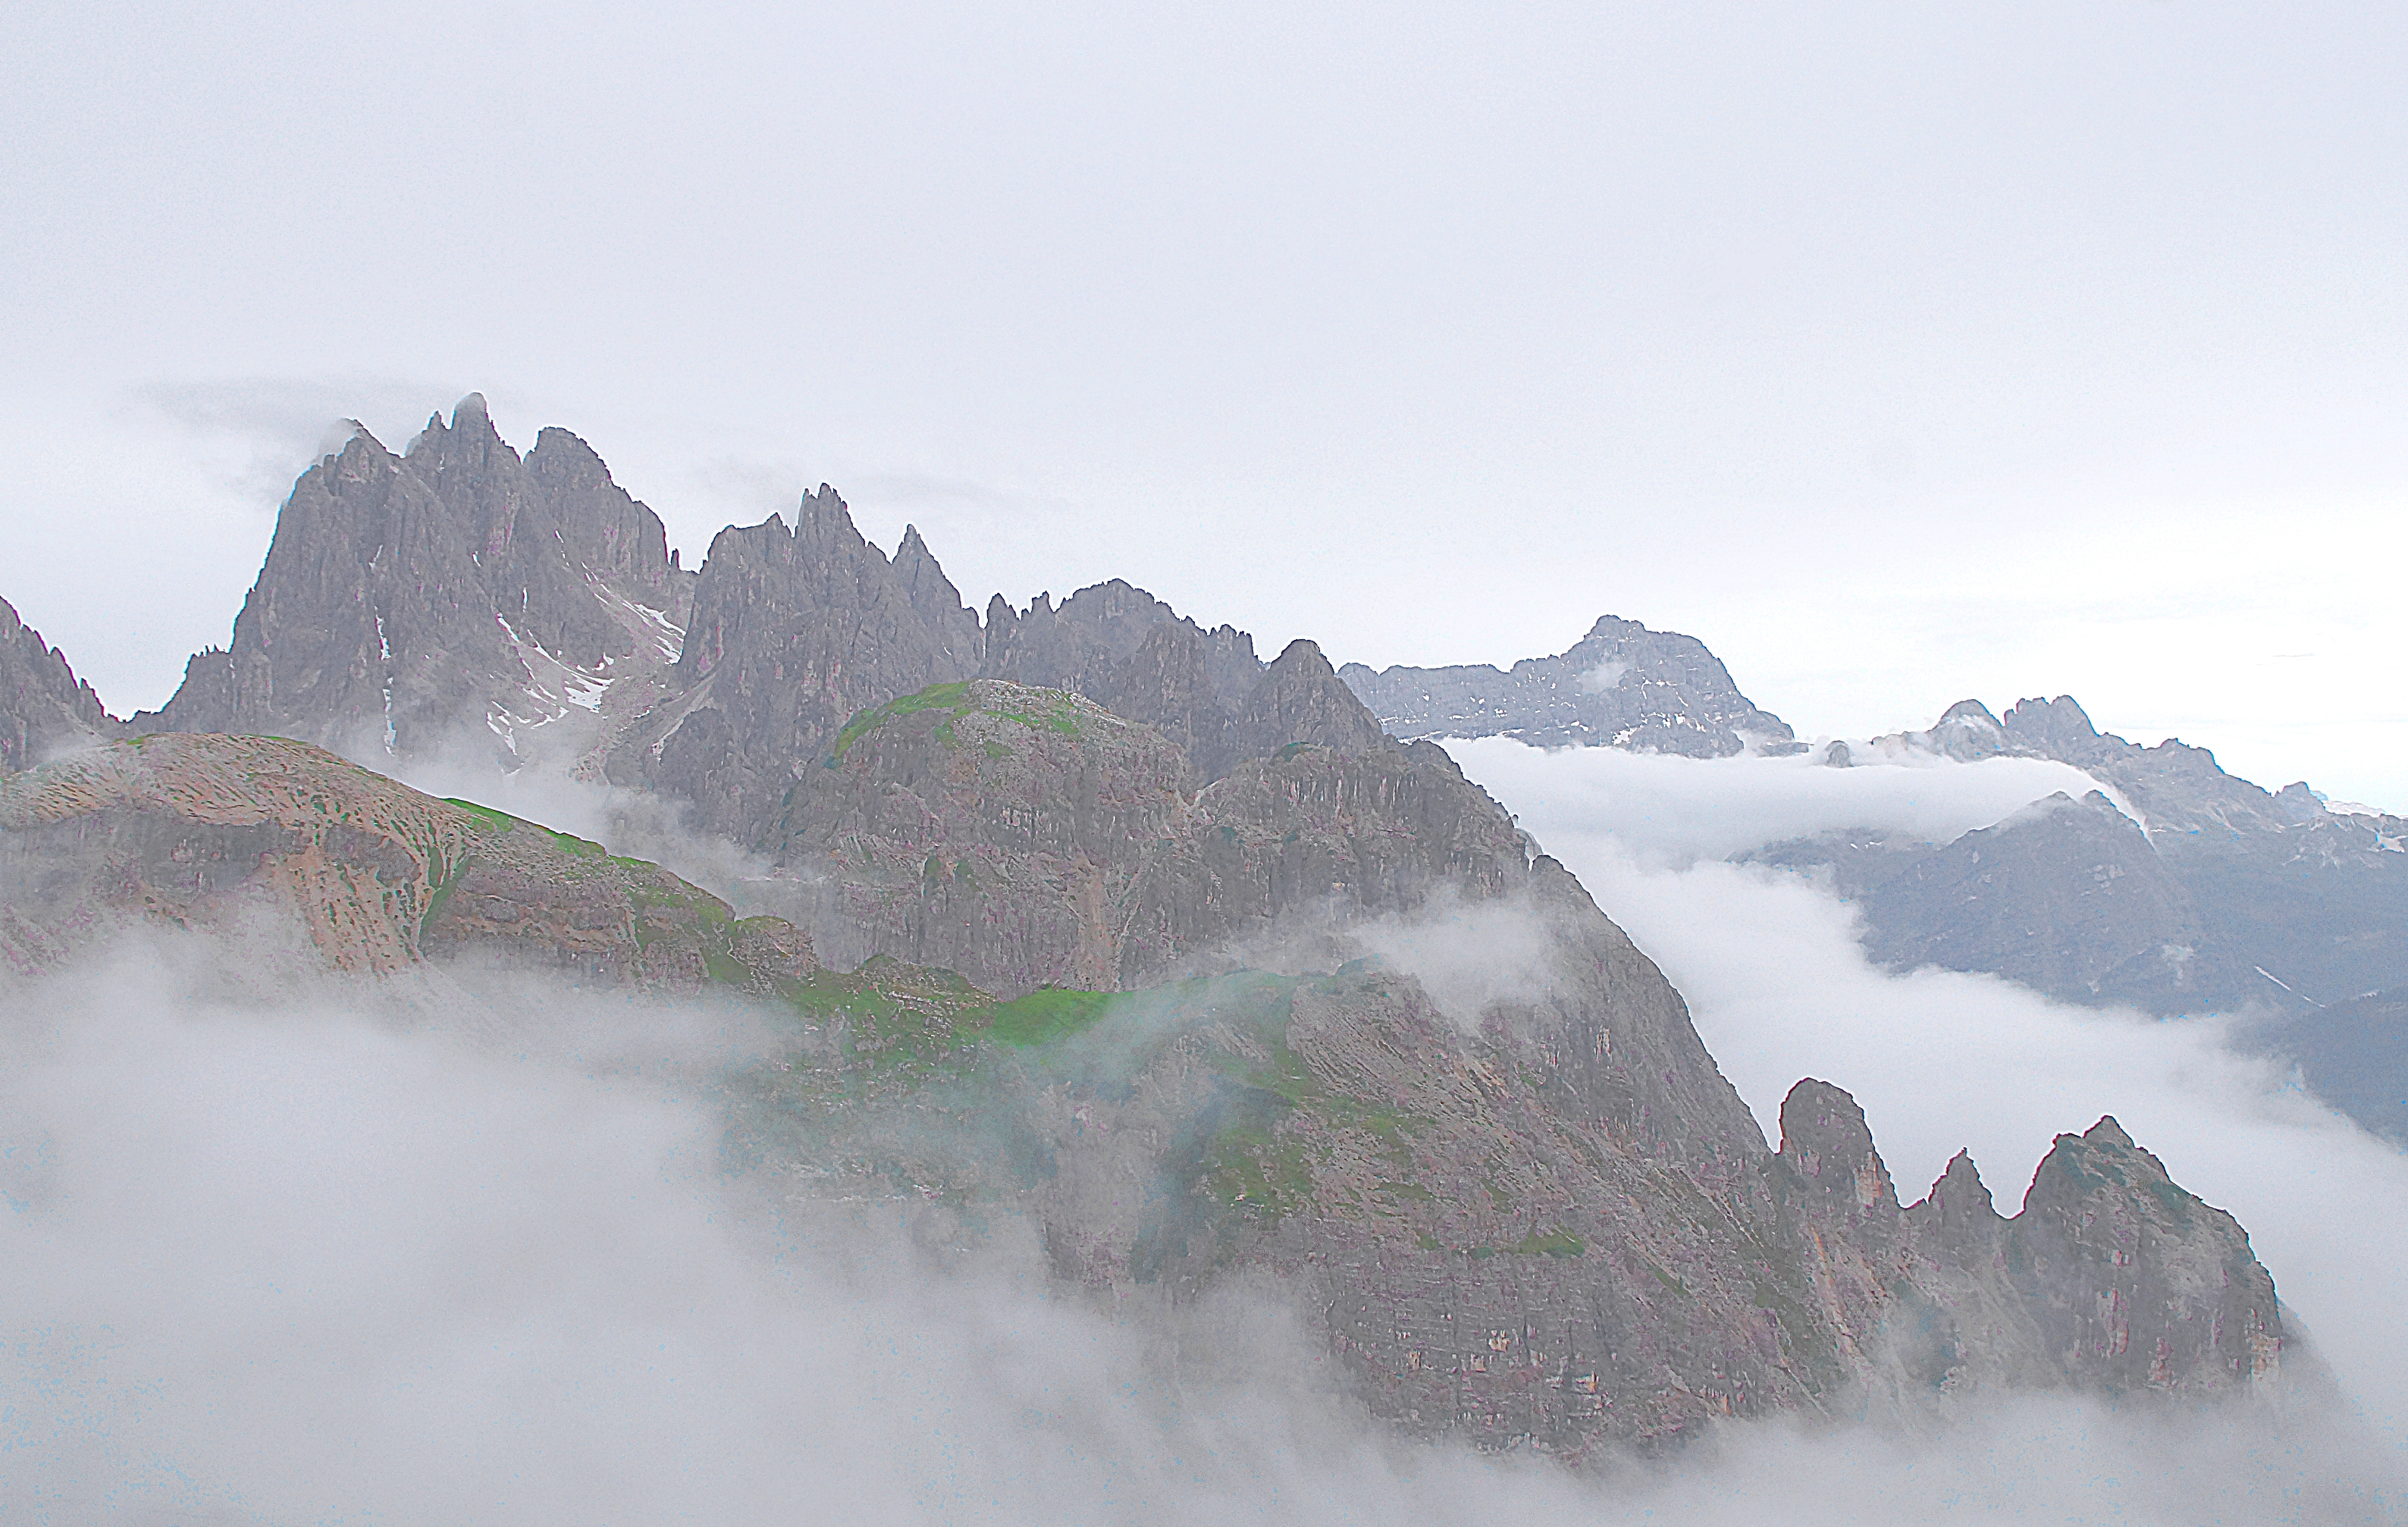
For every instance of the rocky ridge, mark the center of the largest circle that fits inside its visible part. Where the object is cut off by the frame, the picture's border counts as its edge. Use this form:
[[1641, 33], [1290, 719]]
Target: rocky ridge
[[1621, 685], [215, 833], [2254, 899], [2211, 894]]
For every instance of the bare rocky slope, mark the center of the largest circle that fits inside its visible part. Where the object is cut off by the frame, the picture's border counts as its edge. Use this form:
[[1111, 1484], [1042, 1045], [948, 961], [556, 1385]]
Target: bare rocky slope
[[214, 832]]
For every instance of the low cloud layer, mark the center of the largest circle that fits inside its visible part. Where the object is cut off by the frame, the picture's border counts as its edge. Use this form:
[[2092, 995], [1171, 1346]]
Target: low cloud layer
[[1467, 955], [1663, 806], [310, 1262]]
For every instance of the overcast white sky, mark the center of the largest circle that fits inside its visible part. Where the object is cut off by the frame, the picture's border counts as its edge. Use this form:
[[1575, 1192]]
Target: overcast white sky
[[1900, 353]]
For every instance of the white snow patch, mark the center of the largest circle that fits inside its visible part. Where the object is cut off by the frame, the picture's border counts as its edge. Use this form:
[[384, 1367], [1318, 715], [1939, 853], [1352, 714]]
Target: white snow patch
[[1604, 676]]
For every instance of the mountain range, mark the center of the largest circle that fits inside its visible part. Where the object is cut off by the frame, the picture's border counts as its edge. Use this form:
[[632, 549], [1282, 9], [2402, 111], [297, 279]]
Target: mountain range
[[1208, 965]]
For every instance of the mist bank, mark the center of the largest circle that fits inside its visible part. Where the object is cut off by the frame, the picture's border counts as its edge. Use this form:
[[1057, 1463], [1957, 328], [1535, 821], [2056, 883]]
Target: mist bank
[[287, 1260]]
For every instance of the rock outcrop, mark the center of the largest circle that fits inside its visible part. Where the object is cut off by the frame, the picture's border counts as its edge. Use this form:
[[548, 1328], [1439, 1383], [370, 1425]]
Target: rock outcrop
[[1621, 685], [2110, 1279], [44, 707]]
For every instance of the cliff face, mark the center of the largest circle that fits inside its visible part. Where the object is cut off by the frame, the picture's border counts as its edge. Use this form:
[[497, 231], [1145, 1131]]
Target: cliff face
[[1622, 686], [44, 707], [207, 830], [410, 602]]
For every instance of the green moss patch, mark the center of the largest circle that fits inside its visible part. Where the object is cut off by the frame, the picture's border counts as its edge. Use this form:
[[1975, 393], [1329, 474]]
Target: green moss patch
[[492, 821], [953, 697], [1045, 1014]]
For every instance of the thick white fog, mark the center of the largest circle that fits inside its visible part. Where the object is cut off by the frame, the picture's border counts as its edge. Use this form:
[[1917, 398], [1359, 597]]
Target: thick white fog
[[1666, 808], [1942, 1061]]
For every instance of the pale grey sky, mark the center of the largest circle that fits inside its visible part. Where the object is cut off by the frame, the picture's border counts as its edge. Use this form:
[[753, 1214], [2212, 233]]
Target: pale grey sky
[[1900, 353]]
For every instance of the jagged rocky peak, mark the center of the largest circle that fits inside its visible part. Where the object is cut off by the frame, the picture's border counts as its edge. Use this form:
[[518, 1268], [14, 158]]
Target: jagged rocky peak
[[44, 707], [605, 529], [1302, 699], [2059, 728], [1825, 1141], [1083, 644], [1621, 685], [2111, 1279], [794, 633], [937, 601], [1959, 1211], [454, 593], [2152, 1288]]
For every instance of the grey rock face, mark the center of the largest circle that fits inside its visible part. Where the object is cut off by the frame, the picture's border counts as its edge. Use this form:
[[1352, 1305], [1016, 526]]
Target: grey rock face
[[2110, 1279], [410, 601], [1028, 837], [939, 602], [2295, 905], [1167, 684], [1302, 699], [793, 632], [2066, 896], [44, 707], [2353, 1055], [1083, 645], [2228, 898], [1622, 686]]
